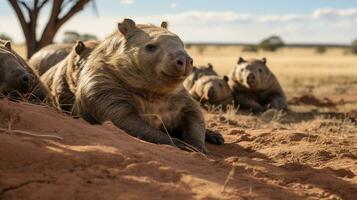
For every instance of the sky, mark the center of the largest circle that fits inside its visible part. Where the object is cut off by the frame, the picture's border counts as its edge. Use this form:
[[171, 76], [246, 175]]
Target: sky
[[223, 21]]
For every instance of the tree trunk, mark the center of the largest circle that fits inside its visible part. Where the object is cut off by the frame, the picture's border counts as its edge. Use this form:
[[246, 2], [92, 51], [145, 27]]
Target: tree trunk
[[53, 25]]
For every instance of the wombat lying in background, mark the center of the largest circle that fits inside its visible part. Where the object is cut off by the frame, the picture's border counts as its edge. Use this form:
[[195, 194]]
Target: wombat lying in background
[[255, 87], [205, 86]]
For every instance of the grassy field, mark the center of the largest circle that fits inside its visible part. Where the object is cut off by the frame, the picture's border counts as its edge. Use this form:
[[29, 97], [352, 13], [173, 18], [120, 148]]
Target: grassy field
[[289, 64]]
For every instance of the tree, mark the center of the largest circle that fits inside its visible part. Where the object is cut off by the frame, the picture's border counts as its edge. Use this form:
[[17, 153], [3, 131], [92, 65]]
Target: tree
[[73, 36], [3, 36], [271, 43], [321, 49], [354, 47], [87, 36], [28, 13]]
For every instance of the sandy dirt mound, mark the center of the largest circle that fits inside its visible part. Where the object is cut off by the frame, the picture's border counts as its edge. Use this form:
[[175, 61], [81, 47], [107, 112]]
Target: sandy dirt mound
[[262, 159], [312, 100]]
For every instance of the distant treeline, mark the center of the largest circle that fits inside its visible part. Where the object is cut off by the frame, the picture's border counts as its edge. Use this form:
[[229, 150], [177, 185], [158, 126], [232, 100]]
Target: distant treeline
[[292, 45]]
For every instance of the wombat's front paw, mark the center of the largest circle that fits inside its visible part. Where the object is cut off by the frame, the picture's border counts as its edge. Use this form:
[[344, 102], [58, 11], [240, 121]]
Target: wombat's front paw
[[214, 138], [278, 103]]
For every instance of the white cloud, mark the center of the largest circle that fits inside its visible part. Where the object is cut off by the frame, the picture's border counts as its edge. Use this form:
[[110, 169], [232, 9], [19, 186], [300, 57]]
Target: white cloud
[[209, 17], [128, 2], [335, 13], [173, 5]]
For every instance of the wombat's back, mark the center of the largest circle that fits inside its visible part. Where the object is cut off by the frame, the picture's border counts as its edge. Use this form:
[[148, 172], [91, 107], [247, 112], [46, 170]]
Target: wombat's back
[[49, 56]]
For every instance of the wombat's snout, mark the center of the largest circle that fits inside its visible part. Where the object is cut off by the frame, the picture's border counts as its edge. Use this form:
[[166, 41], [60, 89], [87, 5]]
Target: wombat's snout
[[183, 63], [25, 81], [211, 93], [251, 79]]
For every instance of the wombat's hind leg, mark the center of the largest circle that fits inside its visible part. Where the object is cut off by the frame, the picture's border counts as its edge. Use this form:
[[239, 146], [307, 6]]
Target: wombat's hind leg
[[214, 137]]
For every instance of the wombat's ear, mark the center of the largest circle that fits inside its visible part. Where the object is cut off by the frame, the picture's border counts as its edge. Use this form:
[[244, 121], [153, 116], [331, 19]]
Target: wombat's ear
[[264, 60], [194, 69], [210, 66], [8, 45], [225, 78], [126, 26], [79, 47], [241, 60], [164, 25]]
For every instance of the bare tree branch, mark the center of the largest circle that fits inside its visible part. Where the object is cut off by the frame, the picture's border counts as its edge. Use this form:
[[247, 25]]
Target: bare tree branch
[[75, 8], [26, 6], [54, 23], [42, 4], [20, 16]]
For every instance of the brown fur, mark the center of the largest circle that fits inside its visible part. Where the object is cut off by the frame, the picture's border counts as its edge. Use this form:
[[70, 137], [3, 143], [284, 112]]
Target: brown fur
[[16, 77], [61, 79], [197, 73], [132, 79], [257, 92], [206, 86], [49, 56], [212, 90]]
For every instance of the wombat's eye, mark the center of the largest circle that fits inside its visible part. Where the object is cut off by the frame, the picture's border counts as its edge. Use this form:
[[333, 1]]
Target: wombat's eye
[[260, 70], [242, 69], [151, 47]]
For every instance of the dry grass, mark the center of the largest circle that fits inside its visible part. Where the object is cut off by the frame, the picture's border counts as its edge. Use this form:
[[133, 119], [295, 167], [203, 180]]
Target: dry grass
[[20, 49], [291, 65]]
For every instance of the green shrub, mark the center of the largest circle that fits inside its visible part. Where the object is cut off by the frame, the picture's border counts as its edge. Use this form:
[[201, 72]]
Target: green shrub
[[354, 47], [73, 36], [3, 36], [320, 49], [271, 43]]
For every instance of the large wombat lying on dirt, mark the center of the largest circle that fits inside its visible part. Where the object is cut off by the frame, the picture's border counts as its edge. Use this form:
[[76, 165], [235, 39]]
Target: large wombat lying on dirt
[[134, 79], [205, 86], [255, 87], [16, 77]]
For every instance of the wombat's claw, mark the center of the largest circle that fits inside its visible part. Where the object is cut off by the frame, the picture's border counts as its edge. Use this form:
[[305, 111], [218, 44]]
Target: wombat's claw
[[214, 138]]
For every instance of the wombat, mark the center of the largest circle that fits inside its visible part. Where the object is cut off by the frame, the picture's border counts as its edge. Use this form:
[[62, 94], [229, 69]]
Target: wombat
[[15, 75], [205, 86], [61, 79], [198, 72], [255, 87], [134, 79], [49, 56]]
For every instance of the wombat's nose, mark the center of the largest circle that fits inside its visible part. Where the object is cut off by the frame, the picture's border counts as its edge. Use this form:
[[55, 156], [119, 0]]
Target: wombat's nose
[[251, 77], [25, 81], [211, 93], [184, 64], [181, 63]]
